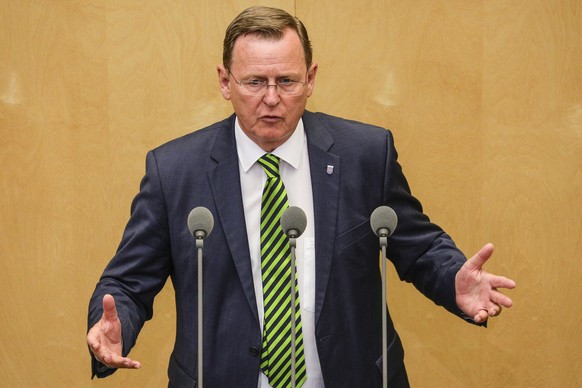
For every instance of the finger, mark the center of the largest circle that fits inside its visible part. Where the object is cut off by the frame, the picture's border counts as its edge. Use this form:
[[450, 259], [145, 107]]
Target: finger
[[109, 310], [115, 361], [481, 316], [501, 299], [94, 337], [502, 282], [93, 343], [482, 256], [494, 311]]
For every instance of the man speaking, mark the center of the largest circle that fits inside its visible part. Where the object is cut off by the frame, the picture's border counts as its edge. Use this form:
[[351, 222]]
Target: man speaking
[[246, 170]]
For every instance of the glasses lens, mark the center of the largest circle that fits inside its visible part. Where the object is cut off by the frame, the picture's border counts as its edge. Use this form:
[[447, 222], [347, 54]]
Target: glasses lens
[[290, 88], [253, 88]]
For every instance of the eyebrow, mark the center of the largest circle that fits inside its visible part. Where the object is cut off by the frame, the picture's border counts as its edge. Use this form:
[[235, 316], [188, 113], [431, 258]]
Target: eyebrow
[[284, 75]]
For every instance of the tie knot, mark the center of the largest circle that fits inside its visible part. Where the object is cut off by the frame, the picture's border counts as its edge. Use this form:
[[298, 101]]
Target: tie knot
[[270, 164]]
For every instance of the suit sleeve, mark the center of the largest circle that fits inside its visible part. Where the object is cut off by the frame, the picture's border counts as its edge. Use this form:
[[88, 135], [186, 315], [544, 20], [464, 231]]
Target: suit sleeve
[[421, 251], [141, 265]]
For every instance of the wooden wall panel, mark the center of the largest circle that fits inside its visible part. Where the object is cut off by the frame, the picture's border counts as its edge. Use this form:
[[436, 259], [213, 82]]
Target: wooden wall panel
[[533, 101], [485, 101], [51, 115]]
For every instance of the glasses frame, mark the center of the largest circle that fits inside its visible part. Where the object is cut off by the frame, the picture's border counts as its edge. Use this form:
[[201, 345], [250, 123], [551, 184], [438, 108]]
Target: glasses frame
[[265, 87]]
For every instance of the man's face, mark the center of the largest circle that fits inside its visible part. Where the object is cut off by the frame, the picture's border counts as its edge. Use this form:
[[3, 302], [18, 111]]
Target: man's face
[[268, 119]]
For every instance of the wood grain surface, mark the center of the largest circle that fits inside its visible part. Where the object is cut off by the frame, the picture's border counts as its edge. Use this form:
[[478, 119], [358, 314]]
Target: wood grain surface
[[484, 99]]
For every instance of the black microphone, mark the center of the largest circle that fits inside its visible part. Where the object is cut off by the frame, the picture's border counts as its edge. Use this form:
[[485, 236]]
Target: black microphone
[[383, 222], [293, 222], [200, 224]]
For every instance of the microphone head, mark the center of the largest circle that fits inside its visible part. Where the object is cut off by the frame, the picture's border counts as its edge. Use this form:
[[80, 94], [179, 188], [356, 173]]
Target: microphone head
[[383, 218], [293, 218], [200, 219]]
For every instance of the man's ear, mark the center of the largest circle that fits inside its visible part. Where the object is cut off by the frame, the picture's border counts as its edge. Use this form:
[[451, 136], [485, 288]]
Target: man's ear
[[311, 78], [223, 81]]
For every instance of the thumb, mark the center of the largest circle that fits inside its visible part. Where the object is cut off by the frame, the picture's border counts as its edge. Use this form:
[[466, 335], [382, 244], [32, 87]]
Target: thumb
[[482, 256], [109, 310]]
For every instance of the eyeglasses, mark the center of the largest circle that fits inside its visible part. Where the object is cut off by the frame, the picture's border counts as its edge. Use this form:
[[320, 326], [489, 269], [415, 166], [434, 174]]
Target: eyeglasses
[[258, 87]]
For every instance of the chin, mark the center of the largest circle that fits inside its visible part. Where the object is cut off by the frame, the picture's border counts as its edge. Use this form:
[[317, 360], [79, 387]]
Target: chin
[[269, 143], [272, 134]]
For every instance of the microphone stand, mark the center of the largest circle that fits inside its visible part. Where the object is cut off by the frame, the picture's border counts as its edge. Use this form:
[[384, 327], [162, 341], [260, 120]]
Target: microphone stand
[[199, 245], [383, 244], [383, 221], [200, 223], [293, 234]]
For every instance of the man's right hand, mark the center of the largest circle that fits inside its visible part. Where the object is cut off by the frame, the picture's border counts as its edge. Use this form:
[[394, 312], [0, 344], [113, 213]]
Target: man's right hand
[[104, 339]]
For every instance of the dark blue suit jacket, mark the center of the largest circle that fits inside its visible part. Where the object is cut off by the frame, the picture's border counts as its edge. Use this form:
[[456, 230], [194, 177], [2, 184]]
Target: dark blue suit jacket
[[201, 169]]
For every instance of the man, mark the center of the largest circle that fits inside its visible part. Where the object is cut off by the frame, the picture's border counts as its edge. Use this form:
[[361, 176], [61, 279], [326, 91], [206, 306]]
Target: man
[[338, 171]]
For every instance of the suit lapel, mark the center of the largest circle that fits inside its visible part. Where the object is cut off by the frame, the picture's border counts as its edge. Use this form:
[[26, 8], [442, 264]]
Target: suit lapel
[[325, 180], [224, 181]]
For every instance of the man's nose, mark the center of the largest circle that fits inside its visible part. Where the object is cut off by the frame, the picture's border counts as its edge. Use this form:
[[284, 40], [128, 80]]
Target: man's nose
[[271, 96]]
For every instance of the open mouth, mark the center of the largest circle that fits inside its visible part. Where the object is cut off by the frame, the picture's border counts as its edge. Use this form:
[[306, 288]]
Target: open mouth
[[271, 118]]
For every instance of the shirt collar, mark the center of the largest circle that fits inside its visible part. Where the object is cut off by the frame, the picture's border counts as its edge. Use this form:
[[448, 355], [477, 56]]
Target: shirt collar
[[249, 152]]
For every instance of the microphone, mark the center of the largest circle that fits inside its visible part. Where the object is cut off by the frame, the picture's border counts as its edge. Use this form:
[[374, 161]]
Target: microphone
[[200, 224], [293, 223], [383, 222]]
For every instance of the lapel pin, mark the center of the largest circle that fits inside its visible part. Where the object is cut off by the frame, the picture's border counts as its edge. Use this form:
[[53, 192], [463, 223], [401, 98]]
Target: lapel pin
[[329, 169]]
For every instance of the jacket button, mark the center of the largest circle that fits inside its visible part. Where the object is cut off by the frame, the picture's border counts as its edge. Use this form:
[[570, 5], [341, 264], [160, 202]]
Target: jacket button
[[254, 351]]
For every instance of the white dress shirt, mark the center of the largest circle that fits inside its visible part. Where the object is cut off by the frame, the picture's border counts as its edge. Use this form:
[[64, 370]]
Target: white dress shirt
[[295, 173]]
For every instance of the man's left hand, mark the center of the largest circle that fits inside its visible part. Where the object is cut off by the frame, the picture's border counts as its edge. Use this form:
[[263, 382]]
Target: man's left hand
[[476, 289]]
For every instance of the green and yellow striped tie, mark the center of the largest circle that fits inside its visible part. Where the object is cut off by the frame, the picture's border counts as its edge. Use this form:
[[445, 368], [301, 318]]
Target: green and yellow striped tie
[[276, 274]]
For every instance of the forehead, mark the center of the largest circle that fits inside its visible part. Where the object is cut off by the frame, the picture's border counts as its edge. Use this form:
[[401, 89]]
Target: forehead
[[255, 52]]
